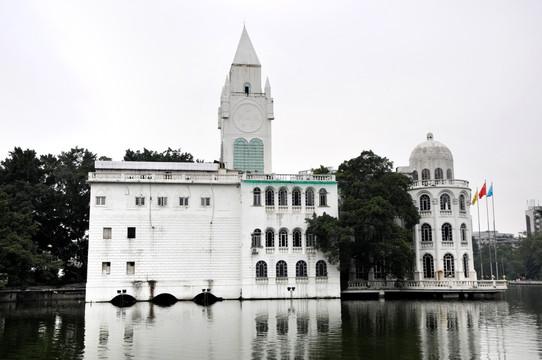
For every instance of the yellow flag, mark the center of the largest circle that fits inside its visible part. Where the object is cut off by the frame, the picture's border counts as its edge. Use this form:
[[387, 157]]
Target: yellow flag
[[475, 199]]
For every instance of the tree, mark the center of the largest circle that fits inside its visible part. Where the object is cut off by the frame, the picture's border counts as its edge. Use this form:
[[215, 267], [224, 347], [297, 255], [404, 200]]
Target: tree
[[378, 214], [322, 170], [168, 155]]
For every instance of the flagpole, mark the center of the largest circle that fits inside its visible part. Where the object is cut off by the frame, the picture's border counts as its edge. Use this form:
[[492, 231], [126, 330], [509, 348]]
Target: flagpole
[[494, 233], [479, 240], [489, 237]]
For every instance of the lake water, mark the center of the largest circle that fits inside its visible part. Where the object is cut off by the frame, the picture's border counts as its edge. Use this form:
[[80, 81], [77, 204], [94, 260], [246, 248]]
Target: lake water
[[507, 327]]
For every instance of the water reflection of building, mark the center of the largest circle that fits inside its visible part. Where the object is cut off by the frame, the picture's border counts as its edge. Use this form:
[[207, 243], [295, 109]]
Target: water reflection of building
[[227, 330], [231, 227]]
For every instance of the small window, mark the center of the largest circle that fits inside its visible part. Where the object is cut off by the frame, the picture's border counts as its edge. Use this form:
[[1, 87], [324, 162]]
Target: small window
[[461, 202], [309, 197], [269, 238], [257, 197], [183, 201], [310, 239], [205, 201], [449, 268], [256, 238], [131, 233], [449, 174], [447, 232], [106, 268], [283, 238], [425, 203], [246, 89], [301, 269], [415, 175], [140, 200], [130, 268], [463, 229], [439, 174], [283, 197], [426, 174], [261, 269], [445, 203], [162, 201], [466, 265], [296, 197], [282, 269], [100, 200], [321, 268], [323, 197], [107, 233], [269, 197], [428, 267], [427, 234], [296, 235]]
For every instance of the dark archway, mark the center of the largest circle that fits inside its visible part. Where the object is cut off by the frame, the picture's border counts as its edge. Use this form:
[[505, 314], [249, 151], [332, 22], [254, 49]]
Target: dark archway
[[123, 300], [164, 299], [206, 298]]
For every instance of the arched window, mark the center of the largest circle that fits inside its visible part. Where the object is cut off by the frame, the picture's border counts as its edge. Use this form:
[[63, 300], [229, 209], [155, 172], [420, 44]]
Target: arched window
[[283, 197], [269, 238], [269, 197], [321, 268], [463, 229], [449, 271], [301, 269], [240, 154], [296, 238], [466, 265], [445, 203], [415, 175], [257, 195], [427, 234], [256, 238], [261, 269], [283, 238], [255, 156], [425, 203], [309, 237], [282, 269], [323, 197], [309, 197], [439, 174], [426, 174], [447, 232], [296, 197], [428, 266], [449, 174], [246, 88], [461, 202]]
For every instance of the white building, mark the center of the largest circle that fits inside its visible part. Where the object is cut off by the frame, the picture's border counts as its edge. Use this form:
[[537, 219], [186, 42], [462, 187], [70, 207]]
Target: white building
[[443, 238], [234, 229]]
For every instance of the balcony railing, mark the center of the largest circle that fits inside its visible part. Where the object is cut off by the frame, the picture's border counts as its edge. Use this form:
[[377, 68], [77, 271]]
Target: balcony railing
[[427, 284], [440, 182]]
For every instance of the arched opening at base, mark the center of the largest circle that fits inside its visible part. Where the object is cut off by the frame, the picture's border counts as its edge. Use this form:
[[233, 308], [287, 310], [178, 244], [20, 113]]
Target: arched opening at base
[[123, 300], [206, 298], [164, 299]]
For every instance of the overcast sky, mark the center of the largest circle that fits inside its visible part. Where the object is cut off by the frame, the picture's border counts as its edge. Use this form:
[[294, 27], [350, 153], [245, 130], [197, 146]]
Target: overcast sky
[[346, 76]]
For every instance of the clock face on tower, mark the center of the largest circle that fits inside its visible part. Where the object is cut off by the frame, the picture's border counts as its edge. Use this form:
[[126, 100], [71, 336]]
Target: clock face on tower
[[247, 118]]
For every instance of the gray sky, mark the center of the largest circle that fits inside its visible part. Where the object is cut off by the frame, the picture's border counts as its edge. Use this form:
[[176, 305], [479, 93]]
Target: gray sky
[[346, 76]]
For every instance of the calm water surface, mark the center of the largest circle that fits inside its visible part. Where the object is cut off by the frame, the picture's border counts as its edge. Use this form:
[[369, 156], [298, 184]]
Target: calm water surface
[[500, 328]]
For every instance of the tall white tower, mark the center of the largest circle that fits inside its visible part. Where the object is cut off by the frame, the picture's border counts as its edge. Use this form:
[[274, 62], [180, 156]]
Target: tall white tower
[[245, 113]]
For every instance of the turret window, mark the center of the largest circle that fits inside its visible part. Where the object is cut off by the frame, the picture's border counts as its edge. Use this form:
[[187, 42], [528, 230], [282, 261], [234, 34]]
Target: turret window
[[415, 175], [426, 174], [449, 266], [439, 174], [246, 88], [446, 232], [425, 203], [463, 229], [428, 267], [449, 174], [461, 202], [427, 233], [445, 203]]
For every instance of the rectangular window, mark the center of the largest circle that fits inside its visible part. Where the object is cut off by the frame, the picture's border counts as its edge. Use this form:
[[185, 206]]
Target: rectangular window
[[140, 200], [106, 268], [205, 201], [130, 268], [107, 233], [100, 200], [162, 201], [183, 201], [131, 233]]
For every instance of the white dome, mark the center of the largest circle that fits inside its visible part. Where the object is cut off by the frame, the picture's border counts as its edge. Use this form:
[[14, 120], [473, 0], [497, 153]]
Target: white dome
[[432, 155]]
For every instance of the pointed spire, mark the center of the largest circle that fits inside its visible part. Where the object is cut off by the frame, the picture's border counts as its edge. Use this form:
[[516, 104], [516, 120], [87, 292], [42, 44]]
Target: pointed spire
[[267, 88], [245, 53]]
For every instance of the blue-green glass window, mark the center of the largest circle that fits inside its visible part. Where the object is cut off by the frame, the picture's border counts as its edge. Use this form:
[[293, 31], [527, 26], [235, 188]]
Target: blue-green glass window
[[255, 156], [240, 154]]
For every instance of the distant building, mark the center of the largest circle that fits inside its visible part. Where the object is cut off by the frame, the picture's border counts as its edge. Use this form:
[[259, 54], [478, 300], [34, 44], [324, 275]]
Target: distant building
[[533, 216], [232, 228], [501, 238]]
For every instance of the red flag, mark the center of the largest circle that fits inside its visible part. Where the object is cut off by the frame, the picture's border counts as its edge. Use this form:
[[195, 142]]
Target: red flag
[[483, 191]]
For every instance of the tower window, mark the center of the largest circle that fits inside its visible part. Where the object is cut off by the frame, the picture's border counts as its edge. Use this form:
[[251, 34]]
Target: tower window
[[246, 88]]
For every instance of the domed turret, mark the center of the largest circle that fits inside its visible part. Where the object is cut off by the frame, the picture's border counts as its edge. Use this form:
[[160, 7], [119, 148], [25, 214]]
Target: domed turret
[[431, 160]]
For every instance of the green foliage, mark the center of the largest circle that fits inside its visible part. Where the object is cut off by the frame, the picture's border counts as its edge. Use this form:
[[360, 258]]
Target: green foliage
[[322, 170], [168, 155], [376, 215]]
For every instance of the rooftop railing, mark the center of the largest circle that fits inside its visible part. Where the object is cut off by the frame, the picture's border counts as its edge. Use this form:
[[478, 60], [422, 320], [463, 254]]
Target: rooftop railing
[[439, 182]]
